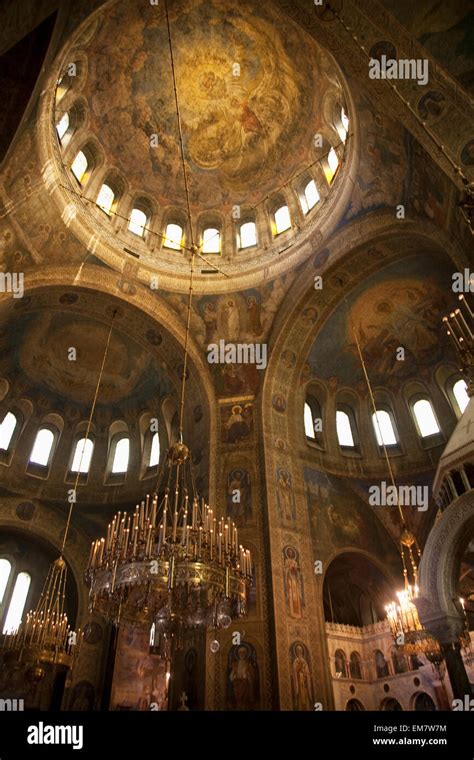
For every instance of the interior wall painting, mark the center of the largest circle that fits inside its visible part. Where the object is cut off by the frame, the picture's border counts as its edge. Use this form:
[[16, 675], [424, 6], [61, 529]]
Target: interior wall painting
[[243, 678], [294, 590], [239, 496], [301, 677], [139, 677]]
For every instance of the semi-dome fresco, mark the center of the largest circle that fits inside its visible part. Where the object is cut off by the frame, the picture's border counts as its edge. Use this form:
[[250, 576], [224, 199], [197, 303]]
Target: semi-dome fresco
[[236, 372]]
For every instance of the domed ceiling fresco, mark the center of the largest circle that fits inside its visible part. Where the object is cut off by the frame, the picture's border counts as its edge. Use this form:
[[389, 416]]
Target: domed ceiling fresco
[[251, 98]]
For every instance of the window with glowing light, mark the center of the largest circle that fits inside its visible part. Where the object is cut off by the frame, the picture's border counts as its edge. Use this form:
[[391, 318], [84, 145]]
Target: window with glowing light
[[105, 199], [5, 570], [121, 455], [154, 451], [79, 166], [247, 235], [282, 219], [82, 456], [343, 127], [7, 428], [211, 240], [173, 236], [63, 125], [138, 222], [425, 418], [460, 394], [344, 429], [384, 430], [331, 165], [310, 196], [42, 447], [17, 602], [308, 422]]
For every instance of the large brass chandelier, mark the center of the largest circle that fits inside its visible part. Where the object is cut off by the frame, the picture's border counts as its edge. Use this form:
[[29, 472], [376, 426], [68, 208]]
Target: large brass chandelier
[[171, 564]]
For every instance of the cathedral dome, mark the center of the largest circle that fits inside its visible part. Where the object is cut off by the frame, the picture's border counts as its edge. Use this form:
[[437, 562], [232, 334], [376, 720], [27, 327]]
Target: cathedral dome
[[263, 116]]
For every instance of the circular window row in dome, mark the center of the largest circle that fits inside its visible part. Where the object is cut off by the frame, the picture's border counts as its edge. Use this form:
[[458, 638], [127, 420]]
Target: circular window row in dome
[[137, 215]]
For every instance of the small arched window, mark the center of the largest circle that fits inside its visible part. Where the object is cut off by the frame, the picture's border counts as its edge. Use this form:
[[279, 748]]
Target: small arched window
[[7, 428], [340, 663], [211, 240], [247, 235], [355, 666], [343, 126], [344, 429], [173, 236], [381, 664], [383, 427], [331, 165], [310, 196], [79, 166], [425, 418], [460, 394], [308, 422], [63, 125], [121, 455], [282, 219], [138, 222], [154, 451], [82, 456], [5, 570], [42, 447], [105, 199], [17, 603]]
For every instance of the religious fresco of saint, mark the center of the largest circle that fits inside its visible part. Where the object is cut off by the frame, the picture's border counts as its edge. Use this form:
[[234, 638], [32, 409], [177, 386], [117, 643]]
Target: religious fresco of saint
[[294, 590], [286, 497], [139, 677], [236, 422], [243, 678], [239, 496], [301, 677]]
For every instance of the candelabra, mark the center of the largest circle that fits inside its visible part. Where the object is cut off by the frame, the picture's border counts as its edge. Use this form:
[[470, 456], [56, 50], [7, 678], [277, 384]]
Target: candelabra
[[460, 329], [170, 562]]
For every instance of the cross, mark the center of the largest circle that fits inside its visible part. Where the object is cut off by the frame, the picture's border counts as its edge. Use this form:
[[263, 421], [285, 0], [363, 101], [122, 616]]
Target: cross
[[467, 426], [184, 699]]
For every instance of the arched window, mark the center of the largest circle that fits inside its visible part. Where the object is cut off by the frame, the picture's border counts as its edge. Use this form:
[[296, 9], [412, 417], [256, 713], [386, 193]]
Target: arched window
[[154, 451], [355, 668], [390, 704], [381, 664], [17, 602], [105, 199], [5, 570], [424, 703], [340, 663], [211, 240], [63, 125], [308, 422], [138, 222], [310, 196], [331, 165], [82, 456], [121, 455], [460, 394], [173, 236], [80, 165], [247, 235], [343, 126], [344, 429], [383, 427], [7, 428], [42, 447], [398, 661], [425, 418], [282, 219], [354, 705]]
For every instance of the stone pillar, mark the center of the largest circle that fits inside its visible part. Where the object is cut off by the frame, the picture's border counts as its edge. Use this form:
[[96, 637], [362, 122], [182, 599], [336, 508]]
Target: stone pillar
[[456, 670]]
